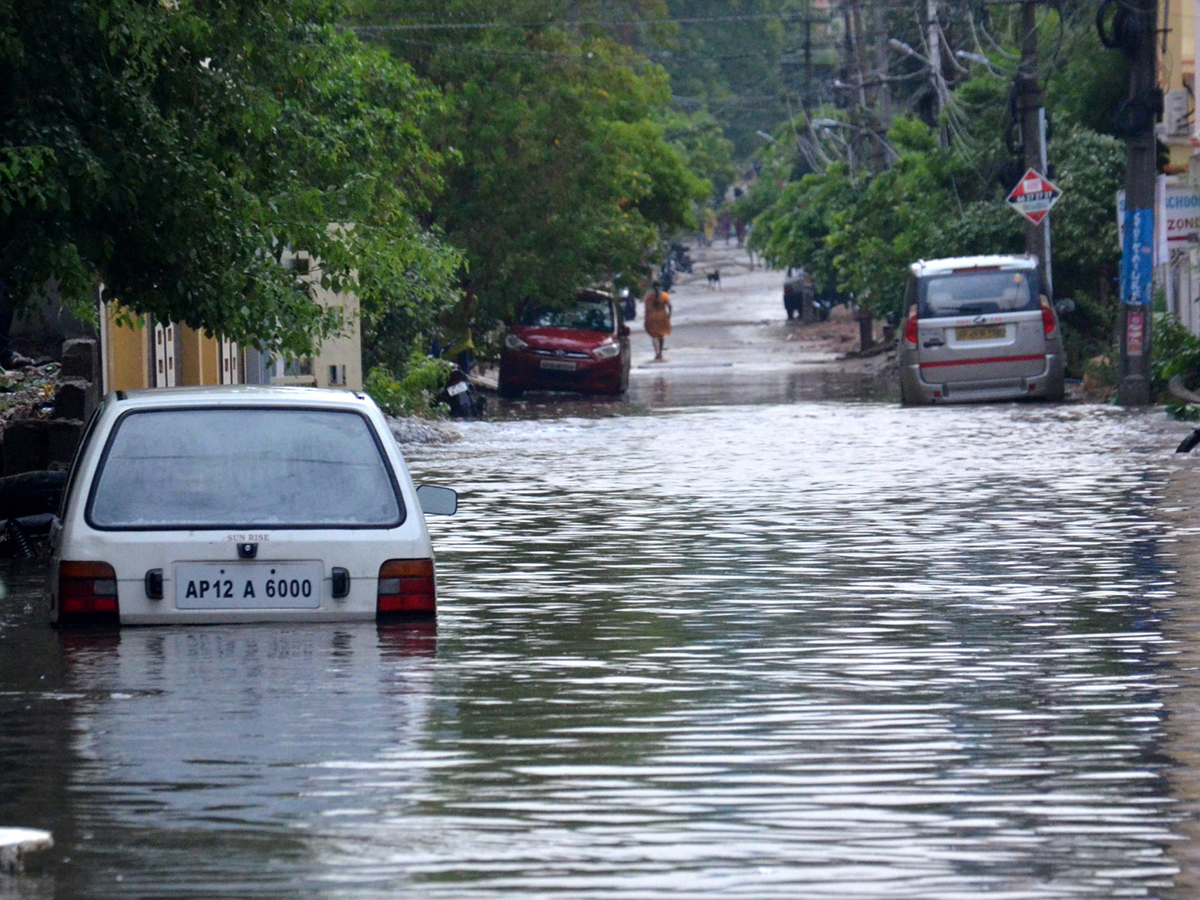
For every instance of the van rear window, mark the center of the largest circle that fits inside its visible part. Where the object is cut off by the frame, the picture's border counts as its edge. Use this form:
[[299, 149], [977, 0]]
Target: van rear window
[[216, 468], [977, 293]]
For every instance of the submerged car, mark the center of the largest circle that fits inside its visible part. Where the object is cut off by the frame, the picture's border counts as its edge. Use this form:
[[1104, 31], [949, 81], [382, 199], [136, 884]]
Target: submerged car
[[241, 504], [979, 328], [580, 347]]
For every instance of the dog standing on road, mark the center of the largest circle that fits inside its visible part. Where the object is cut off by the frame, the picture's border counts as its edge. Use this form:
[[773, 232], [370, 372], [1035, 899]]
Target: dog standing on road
[[714, 279]]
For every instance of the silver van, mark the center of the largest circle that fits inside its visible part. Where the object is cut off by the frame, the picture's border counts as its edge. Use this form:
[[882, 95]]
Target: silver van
[[978, 328]]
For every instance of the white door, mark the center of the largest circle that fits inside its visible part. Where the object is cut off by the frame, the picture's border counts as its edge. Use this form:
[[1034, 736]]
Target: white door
[[164, 354], [230, 370]]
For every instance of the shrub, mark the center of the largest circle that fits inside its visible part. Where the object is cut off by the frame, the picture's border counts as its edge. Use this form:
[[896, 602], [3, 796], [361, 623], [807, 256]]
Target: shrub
[[1174, 351], [415, 393]]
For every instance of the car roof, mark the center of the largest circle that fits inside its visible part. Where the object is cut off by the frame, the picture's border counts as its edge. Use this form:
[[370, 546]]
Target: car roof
[[925, 267], [593, 294], [240, 395]]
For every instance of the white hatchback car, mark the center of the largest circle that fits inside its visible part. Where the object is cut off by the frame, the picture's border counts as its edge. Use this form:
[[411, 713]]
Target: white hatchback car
[[242, 504], [979, 328]]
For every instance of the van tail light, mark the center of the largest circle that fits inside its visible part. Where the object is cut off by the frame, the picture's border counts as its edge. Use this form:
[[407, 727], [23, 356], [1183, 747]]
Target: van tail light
[[910, 326], [87, 593], [1049, 322], [406, 590]]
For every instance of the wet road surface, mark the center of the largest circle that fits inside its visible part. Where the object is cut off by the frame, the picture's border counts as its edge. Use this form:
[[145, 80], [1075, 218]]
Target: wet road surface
[[811, 649]]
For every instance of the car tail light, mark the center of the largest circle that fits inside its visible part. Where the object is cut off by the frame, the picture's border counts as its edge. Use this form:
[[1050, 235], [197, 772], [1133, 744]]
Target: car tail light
[[406, 589], [910, 326], [1049, 323], [87, 592]]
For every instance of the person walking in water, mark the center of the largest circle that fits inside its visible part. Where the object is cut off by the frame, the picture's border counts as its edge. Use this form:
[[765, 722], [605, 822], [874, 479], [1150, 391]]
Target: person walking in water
[[658, 317]]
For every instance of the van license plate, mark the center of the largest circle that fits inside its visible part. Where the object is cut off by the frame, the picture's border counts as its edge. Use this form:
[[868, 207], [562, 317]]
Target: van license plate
[[248, 585], [558, 365], [980, 333]]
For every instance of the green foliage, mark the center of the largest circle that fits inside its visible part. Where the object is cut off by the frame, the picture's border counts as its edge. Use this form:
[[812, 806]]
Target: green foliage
[[706, 152], [1090, 169], [562, 171], [1088, 331], [894, 221], [415, 393], [738, 59], [1174, 351], [174, 151], [1090, 83], [861, 231], [794, 232]]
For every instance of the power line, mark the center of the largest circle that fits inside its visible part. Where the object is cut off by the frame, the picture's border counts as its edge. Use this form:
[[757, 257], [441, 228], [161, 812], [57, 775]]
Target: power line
[[689, 20]]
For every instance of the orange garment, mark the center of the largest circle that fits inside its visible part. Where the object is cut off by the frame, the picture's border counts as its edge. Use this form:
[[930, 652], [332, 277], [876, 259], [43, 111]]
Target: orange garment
[[658, 313]]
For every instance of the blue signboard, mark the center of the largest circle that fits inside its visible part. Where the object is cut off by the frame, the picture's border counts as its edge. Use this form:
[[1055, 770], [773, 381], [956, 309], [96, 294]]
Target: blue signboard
[[1137, 256]]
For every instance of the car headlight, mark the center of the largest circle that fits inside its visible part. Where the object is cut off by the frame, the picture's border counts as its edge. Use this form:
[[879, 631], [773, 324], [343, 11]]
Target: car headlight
[[606, 351], [512, 342]]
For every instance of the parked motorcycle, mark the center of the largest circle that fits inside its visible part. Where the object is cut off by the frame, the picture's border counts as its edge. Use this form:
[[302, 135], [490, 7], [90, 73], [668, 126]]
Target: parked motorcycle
[[463, 398], [628, 304], [681, 257]]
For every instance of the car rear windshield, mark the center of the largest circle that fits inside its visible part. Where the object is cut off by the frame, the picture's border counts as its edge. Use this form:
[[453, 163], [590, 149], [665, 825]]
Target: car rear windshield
[[586, 316], [977, 293], [272, 468]]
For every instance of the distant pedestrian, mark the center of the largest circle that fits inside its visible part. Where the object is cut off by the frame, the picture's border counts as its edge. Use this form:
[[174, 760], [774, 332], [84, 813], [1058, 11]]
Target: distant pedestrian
[[658, 317]]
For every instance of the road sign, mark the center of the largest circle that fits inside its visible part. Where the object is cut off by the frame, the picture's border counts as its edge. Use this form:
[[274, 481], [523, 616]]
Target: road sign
[[1033, 196]]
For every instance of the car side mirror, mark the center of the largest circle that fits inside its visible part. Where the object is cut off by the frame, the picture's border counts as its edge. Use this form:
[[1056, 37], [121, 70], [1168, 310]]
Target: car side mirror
[[437, 501], [1062, 307], [624, 330]]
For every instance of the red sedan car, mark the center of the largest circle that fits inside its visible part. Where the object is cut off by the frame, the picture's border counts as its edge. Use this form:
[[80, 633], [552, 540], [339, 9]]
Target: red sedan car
[[582, 347]]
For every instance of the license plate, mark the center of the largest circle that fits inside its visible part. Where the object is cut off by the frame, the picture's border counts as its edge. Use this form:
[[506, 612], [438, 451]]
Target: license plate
[[455, 389], [558, 365], [248, 585], [980, 333]]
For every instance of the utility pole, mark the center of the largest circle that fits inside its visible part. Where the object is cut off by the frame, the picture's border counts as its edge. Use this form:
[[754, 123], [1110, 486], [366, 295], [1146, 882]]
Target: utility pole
[[933, 40], [1033, 137], [862, 120], [1136, 36]]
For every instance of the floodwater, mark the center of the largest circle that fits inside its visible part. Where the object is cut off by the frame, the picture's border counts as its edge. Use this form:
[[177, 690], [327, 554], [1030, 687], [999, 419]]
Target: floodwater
[[806, 649]]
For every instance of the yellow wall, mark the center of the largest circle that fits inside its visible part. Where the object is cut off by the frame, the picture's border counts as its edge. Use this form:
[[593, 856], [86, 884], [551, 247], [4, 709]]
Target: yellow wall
[[127, 351], [127, 354], [200, 358]]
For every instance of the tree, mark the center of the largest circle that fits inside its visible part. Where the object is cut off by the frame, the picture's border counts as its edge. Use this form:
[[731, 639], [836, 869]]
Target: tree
[[706, 152], [562, 173], [742, 60], [174, 151], [794, 233]]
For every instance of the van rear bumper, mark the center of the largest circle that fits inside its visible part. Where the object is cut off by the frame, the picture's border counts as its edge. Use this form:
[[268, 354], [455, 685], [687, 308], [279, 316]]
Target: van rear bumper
[[915, 390]]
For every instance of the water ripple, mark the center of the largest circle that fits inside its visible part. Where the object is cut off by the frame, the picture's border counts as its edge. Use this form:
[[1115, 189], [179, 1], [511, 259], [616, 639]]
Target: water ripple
[[816, 650]]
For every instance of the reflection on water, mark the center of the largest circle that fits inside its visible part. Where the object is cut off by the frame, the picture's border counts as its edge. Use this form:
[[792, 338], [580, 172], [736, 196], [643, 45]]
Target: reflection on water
[[775, 651], [748, 385]]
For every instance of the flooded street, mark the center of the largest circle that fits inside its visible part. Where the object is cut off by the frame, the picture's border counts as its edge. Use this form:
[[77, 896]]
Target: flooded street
[[798, 649]]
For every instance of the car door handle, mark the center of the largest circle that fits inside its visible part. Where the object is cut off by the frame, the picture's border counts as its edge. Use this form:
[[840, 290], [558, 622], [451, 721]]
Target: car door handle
[[936, 342]]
